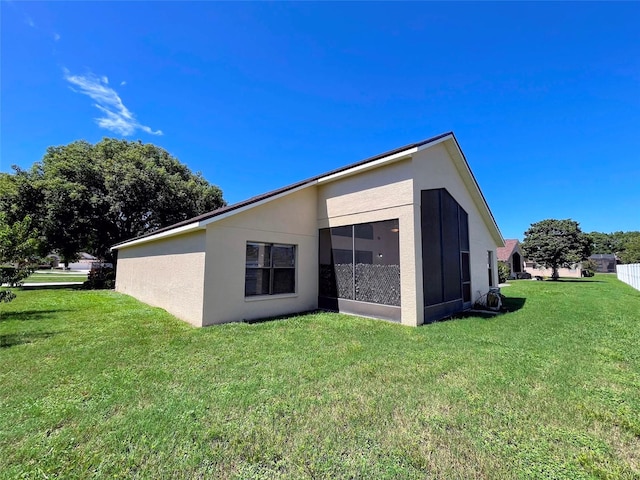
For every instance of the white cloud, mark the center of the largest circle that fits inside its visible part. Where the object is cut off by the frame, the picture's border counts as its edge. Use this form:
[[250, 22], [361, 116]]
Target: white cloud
[[27, 18], [117, 118], [56, 36], [122, 83]]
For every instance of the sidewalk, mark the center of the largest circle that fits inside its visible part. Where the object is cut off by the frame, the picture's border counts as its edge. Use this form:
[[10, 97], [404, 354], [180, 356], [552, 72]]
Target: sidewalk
[[34, 286]]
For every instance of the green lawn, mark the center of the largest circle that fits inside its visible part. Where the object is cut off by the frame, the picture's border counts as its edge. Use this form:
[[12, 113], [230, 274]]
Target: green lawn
[[55, 276], [96, 384]]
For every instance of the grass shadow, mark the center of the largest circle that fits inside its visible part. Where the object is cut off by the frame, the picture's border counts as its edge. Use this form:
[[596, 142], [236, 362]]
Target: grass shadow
[[29, 315], [509, 305], [12, 339], [513, 304], [280, 317], [561, 280], [55, 286], [574, 280], [469, 314], [570, 280]]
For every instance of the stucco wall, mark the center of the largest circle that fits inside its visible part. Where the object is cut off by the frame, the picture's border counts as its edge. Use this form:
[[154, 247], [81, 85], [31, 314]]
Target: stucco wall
[[434, 168], [212, 287], [373, 190], [381, 194], [575, 272], [289, 220], [166, 273]]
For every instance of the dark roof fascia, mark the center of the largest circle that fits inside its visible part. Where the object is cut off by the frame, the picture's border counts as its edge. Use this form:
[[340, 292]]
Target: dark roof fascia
[[273, 193]]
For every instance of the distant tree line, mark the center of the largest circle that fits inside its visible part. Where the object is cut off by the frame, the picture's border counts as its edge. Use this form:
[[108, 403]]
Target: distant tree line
[[85, 197], [626, 245]]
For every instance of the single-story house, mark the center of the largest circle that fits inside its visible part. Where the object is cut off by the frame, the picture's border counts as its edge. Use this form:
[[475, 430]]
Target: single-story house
[[84, 262], [511, 254], [536, 270], [405, 236], [606, 262]]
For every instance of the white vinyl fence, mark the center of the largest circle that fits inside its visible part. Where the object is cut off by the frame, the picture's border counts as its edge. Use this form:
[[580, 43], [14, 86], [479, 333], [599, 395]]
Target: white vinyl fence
[[629, 274]]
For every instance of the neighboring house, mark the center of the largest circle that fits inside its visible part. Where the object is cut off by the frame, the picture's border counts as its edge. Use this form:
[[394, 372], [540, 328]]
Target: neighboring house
[[404, 236], [606, 262], [535, 270], [511, 253], [84, 262]]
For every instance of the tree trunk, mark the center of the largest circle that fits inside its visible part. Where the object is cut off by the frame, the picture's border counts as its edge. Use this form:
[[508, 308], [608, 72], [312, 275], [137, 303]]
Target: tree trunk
[[555, 275]]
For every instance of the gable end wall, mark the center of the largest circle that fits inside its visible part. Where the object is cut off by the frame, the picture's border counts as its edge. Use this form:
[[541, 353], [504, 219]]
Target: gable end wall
[[434, 168], [167, 273]]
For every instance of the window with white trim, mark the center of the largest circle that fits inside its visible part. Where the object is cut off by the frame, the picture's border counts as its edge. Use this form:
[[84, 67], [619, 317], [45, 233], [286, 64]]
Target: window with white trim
[[270, 269]]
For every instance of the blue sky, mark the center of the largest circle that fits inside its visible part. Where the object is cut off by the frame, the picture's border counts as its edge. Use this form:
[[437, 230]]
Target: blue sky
[[544, 98]]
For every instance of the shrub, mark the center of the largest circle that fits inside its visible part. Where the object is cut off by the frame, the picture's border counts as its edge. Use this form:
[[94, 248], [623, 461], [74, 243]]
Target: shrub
[[100, 277], [589, 268], [12, 277], [504, 271]]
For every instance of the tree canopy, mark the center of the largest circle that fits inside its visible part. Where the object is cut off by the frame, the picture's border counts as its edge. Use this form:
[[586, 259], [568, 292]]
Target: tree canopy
[[631, 252], [606, 242], [626, 245], [556, 243], [85, 197]]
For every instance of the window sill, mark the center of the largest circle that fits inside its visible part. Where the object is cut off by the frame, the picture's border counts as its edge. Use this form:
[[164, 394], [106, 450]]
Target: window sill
[[258, 298]]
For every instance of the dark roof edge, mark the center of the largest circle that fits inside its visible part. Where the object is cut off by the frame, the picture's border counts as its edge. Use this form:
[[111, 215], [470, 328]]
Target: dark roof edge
[[473, 177], [273, 193]]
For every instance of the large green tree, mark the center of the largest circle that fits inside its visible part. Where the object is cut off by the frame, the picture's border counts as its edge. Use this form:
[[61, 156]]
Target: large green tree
[[85, 197], [68, 184], [556, 243], [146, 189]]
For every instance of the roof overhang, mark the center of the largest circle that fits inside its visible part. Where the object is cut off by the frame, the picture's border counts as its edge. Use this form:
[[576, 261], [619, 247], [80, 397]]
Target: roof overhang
[[217, 218], [405, 154], [192, 227], [449, 140], [460, 162], [202, 224]]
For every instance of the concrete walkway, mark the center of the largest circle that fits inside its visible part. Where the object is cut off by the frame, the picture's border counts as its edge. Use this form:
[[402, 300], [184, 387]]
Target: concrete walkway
[[34, 286]]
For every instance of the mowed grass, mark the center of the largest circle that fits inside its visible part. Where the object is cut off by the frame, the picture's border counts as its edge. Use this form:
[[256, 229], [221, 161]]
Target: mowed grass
[[55, 276], [96, 384]]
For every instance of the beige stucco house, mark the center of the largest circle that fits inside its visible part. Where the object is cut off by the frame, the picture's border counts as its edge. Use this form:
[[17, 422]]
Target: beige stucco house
[[405, 236]]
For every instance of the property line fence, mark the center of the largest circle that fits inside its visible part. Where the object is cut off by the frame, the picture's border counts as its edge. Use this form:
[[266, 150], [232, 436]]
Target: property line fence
[[630, 274]]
